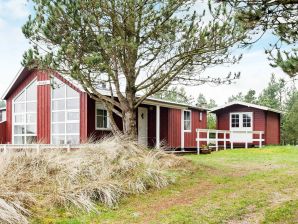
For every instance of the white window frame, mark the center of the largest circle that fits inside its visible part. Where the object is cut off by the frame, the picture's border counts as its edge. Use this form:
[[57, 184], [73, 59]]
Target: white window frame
[[190, 120], [101, 107], [65, 110], [24, 123], [241, 120], [201, 116]]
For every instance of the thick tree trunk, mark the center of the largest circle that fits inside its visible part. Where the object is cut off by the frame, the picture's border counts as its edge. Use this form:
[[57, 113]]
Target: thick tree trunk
[[130, 124]]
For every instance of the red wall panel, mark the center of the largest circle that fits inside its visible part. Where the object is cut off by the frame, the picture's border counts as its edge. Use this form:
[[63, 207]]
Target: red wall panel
[[91, 132], [190, 137], [272, 128], [83, 117], [3, 132], [43, 110], [174, 130]]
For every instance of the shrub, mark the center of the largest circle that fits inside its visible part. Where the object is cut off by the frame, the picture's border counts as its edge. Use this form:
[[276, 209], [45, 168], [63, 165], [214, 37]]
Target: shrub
[[103, 173]]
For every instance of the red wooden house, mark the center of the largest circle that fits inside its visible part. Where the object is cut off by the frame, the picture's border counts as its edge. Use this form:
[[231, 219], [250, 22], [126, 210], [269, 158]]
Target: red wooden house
[[49, 109], [244, 118]]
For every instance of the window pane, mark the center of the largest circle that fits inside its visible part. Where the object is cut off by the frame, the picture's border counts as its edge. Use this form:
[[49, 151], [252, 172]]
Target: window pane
[[186, 115], [72, 128], [58, 116], [186, 125], [19, 118], [73, 139], [31, 129], [73, 116], [31, 107], [58, 105], [31, 139], [31, 92], [100, 112], [19, 107], [19, 129], [71, 92], [73, 104], [58, 128], [58, 140], [31, 118], [21, 97], [58, 90], [102, 122], [19, 140]]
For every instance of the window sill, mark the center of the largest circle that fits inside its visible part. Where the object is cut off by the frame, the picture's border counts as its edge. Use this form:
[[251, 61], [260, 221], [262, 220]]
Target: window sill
[[187, 131], [103, 129]]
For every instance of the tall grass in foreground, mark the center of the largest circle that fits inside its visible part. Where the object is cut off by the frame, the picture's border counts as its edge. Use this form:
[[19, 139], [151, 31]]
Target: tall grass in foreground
[[102, 174]]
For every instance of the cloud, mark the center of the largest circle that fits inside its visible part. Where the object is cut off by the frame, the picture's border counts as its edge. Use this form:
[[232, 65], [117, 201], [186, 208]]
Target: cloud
[[255, 74], [13, 14], [14, 9]]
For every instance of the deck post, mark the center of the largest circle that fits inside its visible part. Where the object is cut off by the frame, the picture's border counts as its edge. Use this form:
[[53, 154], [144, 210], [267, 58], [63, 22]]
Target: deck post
[[182, 130], [157, 126], [38, 148], [246, 143], [216, 140], [198, 141], [231, 141], [260, 140], [208, 137], [225, 140], [68, 148]]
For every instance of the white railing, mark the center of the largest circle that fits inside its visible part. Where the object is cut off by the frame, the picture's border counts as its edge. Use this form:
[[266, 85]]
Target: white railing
[[224, 136], [39, 147]]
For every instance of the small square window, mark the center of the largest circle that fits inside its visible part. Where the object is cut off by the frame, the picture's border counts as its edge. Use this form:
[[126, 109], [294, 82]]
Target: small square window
[[102, 119], [235, 121]]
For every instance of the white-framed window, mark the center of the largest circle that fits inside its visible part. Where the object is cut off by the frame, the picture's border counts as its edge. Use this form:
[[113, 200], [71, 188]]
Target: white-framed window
[[187, 120], [235, 120], [2, 115], [101, 118], [241, 120], [65, 128], [25, 115], [201, 116]]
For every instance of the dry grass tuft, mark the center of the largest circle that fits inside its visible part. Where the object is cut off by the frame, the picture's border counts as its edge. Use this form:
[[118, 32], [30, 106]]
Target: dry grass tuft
[[101, 174]]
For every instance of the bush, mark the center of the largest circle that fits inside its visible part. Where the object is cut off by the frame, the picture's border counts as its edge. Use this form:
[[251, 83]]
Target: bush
[[103, 173]]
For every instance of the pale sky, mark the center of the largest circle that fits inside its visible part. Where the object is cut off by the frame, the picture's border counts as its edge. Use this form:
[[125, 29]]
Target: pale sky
[[254, 67]]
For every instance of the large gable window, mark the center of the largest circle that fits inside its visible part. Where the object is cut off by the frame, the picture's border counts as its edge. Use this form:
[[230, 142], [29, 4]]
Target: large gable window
[[24, 115], [187, 120], [101, 118], [65, 114]]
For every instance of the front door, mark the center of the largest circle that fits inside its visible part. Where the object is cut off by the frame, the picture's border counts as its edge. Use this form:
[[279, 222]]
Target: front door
[[143, 126], [241, 126]]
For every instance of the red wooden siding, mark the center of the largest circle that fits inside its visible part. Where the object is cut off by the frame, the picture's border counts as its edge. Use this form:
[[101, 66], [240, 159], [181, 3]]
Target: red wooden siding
[[190, 137], [174, 128], [262, 121], [164, 126], [170, 128], [272, 128], [3, 132], [151, 125], [83, 117], [44, 106], [91, 132], [43, 110]]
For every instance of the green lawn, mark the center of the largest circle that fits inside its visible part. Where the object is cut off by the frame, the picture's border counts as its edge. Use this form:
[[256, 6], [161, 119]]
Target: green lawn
[[232, 186]]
